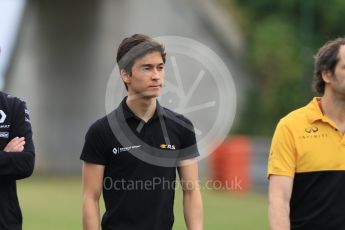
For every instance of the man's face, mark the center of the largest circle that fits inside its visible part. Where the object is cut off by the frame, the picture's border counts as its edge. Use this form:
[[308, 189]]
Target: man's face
[[337, 81], [147, 76]]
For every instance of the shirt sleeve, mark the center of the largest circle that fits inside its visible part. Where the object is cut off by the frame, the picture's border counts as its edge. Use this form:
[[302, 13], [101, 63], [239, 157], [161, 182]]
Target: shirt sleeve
[[94, 150], [189, 147], [19, 165], [282, 158]]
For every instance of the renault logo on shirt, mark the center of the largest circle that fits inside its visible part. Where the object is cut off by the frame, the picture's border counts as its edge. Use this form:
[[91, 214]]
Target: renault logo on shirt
[[2, 116], [117, 150]]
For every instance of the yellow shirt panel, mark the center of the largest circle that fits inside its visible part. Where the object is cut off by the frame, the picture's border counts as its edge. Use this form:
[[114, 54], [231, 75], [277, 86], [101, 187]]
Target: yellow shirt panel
[[306, 141], [283, 155]]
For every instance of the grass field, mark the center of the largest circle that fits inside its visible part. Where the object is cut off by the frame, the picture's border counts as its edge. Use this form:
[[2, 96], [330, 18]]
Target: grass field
[[55, 204]]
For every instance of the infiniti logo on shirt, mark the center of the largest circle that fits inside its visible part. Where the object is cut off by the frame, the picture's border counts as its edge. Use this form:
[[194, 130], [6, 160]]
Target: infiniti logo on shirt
[[117, 150], [311, 130], [313, 133]]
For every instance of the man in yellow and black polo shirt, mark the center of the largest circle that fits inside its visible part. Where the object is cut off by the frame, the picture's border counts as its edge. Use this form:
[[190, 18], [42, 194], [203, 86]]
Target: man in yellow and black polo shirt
[[306, 166]]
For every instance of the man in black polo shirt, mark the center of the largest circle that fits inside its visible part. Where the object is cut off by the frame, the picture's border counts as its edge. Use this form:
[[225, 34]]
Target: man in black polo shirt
[[17, 158], [131, 155]]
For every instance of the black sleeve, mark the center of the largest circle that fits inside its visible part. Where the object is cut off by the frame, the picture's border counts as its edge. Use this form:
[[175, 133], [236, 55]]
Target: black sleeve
[[94, 150], [19, 165], [189, 147]]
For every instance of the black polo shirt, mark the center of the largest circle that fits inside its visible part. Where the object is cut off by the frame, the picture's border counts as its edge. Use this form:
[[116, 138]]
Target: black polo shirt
[[140, 162]]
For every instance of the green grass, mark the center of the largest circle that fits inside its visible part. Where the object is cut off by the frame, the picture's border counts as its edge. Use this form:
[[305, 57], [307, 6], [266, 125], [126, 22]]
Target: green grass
[[55, 204]]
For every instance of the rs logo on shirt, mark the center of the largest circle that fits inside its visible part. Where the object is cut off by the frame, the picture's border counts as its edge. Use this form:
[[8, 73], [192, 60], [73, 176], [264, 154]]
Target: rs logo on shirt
[[165, 146]]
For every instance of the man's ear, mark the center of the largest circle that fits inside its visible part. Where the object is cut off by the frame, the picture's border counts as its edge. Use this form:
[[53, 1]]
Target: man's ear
[[326, 75], [125, 76]]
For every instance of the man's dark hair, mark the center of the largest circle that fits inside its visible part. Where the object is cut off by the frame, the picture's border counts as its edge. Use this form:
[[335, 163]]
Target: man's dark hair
[[325, 60], [134, 47]]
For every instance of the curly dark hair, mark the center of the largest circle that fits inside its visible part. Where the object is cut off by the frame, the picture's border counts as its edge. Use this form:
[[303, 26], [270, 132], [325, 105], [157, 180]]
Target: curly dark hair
[[326, 59]]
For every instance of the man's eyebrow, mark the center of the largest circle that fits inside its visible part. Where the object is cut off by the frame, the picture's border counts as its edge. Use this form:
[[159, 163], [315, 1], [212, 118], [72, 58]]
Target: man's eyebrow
[[146, 65], [150, 65]]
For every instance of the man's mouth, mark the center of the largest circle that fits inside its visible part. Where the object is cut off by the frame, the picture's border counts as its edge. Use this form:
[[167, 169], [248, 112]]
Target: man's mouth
[[155, 86]]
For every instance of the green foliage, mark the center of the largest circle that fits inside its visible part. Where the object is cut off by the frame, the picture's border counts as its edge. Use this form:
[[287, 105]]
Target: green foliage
[[277, 67], [282, 37], [55, 203]]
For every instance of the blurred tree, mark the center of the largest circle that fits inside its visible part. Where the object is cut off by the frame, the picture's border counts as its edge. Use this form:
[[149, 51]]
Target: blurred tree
[[282, 37]]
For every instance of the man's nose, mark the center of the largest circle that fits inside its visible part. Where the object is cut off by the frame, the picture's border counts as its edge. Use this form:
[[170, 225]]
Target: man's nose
[[156, 74]]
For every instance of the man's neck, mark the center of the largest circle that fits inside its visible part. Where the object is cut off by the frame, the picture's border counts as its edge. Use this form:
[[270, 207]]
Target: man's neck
[[333, 106], [144, 108]]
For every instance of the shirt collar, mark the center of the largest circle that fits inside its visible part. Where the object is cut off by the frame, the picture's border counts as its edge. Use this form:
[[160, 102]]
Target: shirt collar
[[314, 110], [128, 113], [315, 113]]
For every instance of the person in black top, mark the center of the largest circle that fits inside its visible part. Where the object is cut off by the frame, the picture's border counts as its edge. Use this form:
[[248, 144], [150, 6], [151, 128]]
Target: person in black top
[[17, 157], [131, 155]]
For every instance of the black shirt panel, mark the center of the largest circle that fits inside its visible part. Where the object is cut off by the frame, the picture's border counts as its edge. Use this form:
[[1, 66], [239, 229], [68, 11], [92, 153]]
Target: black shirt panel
[[14, 122], [165, 127], [132, 199], [317, 201], [188, 147], [95, 147], [139, 208], [150, 204]]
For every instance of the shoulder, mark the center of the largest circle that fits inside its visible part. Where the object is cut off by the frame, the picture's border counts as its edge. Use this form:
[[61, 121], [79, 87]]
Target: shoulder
[[10, 99], [294, 118], [293, 124], [12, 105], [15, 104], [100, 125]]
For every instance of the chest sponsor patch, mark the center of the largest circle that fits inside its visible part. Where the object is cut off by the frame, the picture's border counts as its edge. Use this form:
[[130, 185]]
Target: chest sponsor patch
[[2, 116], [27, 116], [4, 134], [117, 150], [165, 146], [4, 126]]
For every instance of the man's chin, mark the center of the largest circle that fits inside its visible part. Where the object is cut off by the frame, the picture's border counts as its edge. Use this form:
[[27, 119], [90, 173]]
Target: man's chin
[[149, 95]]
